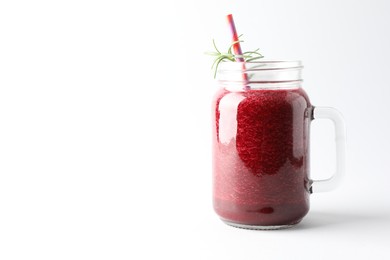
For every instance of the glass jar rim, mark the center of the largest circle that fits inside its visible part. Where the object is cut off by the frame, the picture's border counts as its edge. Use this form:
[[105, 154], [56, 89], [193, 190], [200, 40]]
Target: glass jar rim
[[260, 65], [266, 71]]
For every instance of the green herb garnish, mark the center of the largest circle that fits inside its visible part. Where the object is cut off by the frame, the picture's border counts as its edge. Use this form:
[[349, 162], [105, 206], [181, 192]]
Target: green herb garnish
[[248, 56]]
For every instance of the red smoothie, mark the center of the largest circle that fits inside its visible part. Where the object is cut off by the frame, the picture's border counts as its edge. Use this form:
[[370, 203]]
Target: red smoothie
[[260, 156]]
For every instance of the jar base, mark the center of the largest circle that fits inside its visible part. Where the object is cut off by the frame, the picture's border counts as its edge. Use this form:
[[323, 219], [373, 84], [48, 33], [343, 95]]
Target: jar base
[[258, 227]]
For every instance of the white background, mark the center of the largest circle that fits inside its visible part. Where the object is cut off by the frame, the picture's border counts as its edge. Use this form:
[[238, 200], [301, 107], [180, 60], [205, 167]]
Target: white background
[[105, 127]]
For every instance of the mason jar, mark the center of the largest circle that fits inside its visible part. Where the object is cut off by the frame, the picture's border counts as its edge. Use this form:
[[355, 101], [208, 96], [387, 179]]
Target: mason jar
[[261, 145]]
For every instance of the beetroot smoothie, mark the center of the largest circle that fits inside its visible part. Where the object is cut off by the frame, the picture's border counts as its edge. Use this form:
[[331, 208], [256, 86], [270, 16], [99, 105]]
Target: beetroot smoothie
[[260, 155]]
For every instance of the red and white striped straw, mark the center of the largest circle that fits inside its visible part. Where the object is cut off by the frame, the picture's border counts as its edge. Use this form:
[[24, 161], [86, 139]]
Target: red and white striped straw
[[236, 46]]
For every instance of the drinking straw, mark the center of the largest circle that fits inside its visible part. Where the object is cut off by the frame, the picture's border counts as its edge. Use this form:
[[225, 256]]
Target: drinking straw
[[236, 46]]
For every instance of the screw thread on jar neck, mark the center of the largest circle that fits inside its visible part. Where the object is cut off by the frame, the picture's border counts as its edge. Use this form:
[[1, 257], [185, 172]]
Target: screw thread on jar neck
[[263, 74]]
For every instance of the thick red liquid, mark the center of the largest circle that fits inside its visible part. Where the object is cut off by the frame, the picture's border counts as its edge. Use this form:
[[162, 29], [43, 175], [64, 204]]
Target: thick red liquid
[[261, 156]]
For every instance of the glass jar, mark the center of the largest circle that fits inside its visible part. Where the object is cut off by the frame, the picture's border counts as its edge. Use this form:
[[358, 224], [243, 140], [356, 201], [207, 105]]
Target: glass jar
[[261, 134]]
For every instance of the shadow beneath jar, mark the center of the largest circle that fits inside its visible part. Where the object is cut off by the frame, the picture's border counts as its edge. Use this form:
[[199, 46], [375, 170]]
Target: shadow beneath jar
[[317, 219]]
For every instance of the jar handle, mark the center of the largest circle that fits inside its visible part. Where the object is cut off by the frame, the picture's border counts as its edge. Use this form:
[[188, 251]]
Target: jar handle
[[336, 117]]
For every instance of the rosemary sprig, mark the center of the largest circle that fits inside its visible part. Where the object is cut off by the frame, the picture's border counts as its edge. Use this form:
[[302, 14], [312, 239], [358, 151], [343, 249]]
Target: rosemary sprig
[[248, 56]]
